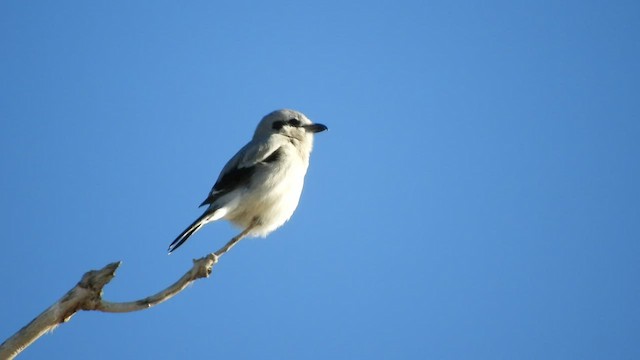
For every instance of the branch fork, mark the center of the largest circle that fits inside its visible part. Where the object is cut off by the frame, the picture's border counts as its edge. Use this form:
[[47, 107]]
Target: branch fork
[[87, 295]]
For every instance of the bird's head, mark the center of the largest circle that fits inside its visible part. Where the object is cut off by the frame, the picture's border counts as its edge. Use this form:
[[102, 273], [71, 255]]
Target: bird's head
[[290, 123]]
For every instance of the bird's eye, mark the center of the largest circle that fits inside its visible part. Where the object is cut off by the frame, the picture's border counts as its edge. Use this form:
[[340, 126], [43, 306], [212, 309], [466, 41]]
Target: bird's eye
[[294, 122], [277, 125]]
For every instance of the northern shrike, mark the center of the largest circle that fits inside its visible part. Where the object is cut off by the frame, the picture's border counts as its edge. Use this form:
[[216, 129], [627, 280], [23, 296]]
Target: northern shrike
[[259, 188]]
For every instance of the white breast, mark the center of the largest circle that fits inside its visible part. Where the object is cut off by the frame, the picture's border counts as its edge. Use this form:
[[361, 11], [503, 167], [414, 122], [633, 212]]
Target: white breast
[[273, 194]]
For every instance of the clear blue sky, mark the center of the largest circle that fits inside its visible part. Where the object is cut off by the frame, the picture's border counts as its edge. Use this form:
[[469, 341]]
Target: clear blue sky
[[476, 196]]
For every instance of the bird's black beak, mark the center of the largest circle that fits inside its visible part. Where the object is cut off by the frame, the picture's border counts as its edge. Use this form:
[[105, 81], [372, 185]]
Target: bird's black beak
[[315, 128]]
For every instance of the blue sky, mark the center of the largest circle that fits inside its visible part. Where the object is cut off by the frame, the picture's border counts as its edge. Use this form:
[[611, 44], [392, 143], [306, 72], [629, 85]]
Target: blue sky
[[476, 196]]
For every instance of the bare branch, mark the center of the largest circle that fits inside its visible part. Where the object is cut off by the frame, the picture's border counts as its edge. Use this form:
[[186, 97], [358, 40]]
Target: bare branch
[[88, 290], [87, 295], [201, 269]]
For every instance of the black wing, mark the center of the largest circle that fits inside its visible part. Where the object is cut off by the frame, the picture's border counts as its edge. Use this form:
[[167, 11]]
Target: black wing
[[237, 177], [229, 181]]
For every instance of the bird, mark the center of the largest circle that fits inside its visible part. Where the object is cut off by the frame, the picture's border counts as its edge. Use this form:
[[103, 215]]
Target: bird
[[259, 188]]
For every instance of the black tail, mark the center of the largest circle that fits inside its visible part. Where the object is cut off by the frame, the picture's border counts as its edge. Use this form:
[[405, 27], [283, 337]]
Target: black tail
[[184, 236]]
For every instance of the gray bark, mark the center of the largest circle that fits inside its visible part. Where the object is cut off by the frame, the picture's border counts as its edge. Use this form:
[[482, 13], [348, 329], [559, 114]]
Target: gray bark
[[87, 295]]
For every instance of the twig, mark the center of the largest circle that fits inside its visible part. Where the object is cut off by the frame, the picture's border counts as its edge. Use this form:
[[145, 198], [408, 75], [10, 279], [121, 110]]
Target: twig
[[87, 295]]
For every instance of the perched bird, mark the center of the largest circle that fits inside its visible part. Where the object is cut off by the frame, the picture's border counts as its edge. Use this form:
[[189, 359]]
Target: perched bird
[[259, 188]]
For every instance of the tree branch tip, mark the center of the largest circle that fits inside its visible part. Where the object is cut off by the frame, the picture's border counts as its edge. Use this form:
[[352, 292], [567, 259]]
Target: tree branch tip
[[97, 279], [112, 267], [115, 265]]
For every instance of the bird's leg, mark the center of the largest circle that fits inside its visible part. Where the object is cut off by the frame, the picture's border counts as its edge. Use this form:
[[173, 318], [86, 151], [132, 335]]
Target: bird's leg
[[236, 239]]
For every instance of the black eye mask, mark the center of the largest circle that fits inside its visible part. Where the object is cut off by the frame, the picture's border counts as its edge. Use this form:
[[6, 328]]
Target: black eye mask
[[277, 125]]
